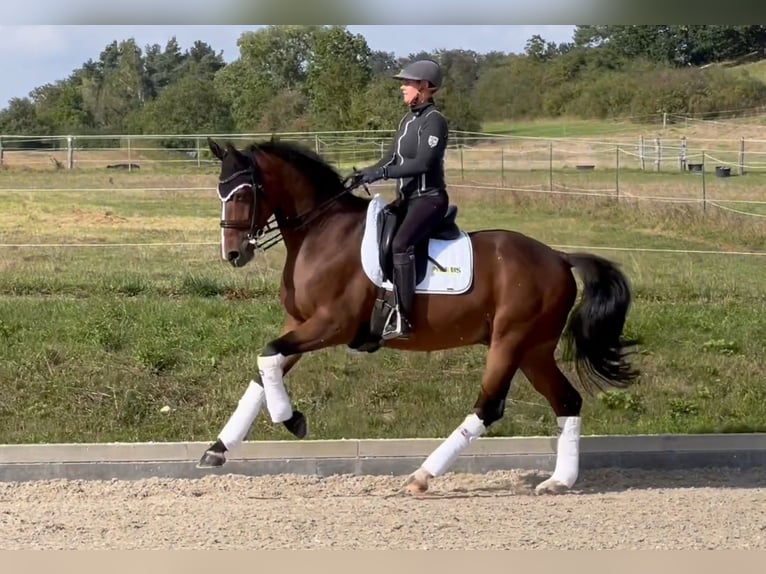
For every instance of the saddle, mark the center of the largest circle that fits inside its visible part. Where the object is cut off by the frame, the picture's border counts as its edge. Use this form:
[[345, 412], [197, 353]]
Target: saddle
[[388, 222], [369, 337]]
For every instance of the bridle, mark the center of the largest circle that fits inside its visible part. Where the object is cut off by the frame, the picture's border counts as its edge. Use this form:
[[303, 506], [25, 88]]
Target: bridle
[[255, 237], [271, 234]]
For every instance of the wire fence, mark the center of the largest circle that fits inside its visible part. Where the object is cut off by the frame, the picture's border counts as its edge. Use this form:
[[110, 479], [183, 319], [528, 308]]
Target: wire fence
[[728, 174], [565, 247], [467, 151]]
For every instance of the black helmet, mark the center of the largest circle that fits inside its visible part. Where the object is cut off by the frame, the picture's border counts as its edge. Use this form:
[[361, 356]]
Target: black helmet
[[422, 70]]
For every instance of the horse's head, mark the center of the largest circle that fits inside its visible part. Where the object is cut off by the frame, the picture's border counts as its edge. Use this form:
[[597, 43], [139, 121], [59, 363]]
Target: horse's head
[[272, 187], [245, 212]]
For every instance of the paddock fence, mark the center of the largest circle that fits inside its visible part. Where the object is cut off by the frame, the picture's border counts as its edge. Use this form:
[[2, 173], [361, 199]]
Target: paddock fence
[[729, 173]]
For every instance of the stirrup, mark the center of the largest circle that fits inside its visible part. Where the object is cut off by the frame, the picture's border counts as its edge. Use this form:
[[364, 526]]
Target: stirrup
[[392, 331]]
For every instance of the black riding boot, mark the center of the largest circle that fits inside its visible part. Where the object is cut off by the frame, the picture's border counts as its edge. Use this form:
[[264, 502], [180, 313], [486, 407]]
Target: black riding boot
[[404, 283]]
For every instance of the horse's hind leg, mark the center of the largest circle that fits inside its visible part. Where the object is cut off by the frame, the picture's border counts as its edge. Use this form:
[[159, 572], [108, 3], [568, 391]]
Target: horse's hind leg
[[502, 363], [539, 366]]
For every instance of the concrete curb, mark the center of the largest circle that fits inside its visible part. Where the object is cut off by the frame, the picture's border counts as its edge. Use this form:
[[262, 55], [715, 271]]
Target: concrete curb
[[129, 461]]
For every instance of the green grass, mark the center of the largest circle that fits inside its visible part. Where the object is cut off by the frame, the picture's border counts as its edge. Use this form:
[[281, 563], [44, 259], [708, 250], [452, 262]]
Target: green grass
[[562, 127], [94, 342], [756, 69]]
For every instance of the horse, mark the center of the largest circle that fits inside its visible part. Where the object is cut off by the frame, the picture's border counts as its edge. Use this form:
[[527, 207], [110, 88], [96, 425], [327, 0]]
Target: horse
[[493, 287]]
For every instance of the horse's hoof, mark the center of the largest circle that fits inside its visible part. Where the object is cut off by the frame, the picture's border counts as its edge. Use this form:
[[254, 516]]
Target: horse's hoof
[[551, 486], [214, 456], [417, 482], [297, 425]]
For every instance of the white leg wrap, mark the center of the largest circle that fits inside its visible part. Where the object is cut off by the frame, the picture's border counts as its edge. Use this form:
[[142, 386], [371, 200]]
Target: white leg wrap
[[277, 400], [567, 451], [242, 419], [443, 457]]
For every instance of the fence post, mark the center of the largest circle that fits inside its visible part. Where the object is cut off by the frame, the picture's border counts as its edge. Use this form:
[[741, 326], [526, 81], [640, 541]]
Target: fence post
[[502, 167], [641, 157], [550, 166], [682, 155], [199, 153], [1, 152], [741, 156], [130, 157], [69, 152], [657, 154], [617, 174], [704, 186], [462, 173]]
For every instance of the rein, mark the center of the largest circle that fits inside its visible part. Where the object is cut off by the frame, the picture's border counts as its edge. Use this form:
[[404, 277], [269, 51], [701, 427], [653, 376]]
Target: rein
[[322, 207]]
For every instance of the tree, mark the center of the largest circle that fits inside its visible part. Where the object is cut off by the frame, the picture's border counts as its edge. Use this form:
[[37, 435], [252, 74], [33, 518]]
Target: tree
[[677, 45], [379, 106], [279, 54], [200, 60], [161, 66], [339, 70], [189, 106], [20, 118], [511, 90], [383, 63], [114, 86], [62, 107], [272, 61], [538, 49], [286, 111], [460, 71]]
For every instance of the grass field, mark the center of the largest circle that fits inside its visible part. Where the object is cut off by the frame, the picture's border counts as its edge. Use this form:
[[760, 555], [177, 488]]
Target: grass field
[[558, 128], [94, 341]]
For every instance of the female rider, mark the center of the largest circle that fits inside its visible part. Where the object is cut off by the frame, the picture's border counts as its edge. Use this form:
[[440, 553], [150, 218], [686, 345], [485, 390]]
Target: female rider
[[416, 161]]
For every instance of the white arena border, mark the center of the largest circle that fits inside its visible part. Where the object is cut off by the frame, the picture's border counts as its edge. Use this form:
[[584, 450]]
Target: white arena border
[[130, 461]]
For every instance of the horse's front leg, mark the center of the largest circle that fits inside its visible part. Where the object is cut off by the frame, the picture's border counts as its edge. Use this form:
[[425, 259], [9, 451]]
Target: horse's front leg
[[278, 356], [321, 330], [248, 408]]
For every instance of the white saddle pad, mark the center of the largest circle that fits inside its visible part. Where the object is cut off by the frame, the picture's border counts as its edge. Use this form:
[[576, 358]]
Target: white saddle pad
[[454, 255]]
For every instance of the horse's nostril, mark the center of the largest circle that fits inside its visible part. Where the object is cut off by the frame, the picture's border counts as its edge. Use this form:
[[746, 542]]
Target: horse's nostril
[[232, 255]]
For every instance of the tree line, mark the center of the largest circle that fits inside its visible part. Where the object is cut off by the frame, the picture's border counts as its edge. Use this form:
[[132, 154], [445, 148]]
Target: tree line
[[296, 78]]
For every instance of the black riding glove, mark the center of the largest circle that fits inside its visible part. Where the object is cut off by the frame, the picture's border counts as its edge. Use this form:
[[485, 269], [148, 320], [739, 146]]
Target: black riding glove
[[370, 175]]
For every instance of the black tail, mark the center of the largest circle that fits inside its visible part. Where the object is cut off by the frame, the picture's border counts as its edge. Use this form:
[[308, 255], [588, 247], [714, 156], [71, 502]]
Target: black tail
[[596, 324]]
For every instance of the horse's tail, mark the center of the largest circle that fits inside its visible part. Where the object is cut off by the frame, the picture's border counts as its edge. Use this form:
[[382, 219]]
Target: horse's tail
[[594, 331]]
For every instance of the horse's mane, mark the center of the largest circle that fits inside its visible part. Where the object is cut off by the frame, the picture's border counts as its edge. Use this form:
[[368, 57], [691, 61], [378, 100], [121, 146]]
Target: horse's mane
[[323, 176]]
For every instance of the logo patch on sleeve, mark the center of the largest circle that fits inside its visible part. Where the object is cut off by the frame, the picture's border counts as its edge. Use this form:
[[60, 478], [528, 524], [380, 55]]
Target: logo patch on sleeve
[[432, 141]]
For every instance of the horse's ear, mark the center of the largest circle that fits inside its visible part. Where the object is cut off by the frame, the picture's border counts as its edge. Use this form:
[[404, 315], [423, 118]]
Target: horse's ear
[[215, 148]]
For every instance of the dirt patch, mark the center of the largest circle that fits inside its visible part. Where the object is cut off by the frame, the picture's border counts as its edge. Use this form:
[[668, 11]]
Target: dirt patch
[[84, 217], [608, 509]]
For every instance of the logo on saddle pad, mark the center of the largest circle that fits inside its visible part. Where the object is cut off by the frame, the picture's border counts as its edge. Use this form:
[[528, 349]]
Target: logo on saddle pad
[[446, 268], [450, 270]]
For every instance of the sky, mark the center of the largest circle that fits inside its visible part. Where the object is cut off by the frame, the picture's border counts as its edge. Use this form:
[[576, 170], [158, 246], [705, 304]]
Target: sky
[[31, 56]]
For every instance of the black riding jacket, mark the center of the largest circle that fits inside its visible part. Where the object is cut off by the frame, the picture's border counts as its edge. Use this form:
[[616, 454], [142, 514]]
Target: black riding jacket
[[416, 156]]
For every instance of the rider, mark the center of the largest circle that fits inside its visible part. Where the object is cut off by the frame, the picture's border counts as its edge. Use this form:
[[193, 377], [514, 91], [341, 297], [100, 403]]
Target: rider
[[416, 161]]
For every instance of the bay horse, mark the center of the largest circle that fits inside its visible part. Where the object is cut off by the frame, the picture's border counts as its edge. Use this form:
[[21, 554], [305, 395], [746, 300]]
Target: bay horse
[[519, 300]]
